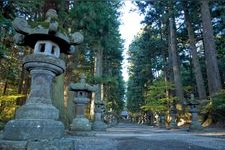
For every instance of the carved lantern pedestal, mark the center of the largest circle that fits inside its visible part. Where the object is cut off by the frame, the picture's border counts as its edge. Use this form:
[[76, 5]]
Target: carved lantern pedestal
[[80, 122], [37, 119]]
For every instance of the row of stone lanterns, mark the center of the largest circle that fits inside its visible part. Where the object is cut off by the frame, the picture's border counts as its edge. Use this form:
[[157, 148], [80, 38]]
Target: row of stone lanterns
[[38, 118], [193, 110], [80, 122]]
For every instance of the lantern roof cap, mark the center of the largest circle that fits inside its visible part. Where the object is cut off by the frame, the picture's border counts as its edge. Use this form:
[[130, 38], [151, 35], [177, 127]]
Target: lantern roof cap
[[82, 85], [49, 29]]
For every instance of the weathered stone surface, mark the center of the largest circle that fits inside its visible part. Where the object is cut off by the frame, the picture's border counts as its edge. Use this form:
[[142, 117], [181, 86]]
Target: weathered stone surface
[[47, 30], [44, 62], [162, 120], [194, 110], [37, 118], [195, 124], [37, 111], [33, 129], [82, 86], [55, 144], [13, 145], [99, 126], [81, 89], [52, 144], [80, 124]]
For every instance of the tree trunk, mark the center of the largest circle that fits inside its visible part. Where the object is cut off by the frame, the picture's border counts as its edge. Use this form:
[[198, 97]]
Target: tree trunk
[[5, 87], [26, 85], [69, 106], [57, 93], [176, 70], [20, 84], [99, 71], [213, 76], [197, 69], [98, 95]]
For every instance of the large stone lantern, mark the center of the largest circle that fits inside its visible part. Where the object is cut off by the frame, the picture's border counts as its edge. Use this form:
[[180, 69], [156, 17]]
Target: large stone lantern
[[38, 118], [81, 89]]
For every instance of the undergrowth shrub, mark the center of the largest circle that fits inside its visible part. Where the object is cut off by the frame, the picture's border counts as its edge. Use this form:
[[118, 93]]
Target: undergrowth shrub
[[8, 105], [213, 111], [218, 107]]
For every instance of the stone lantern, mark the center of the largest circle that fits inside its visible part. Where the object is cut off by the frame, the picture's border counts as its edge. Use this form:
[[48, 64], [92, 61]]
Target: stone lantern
[[81, 89], [38, 118], [98, 124], [195, 124], [162, 119], [173, 123]]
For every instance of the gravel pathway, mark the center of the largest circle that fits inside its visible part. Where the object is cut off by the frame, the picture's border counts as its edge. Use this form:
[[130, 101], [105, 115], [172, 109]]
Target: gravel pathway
[[127, 136], [139, 137]]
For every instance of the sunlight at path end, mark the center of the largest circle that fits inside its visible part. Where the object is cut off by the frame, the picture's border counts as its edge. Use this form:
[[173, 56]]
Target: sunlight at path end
[[130, 26]]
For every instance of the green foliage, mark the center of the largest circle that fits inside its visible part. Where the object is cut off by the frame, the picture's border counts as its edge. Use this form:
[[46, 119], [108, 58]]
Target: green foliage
[[147, 60], [8, 105], [98, 21], [218, 107], [2, 125], [215, 108], [156, 98]]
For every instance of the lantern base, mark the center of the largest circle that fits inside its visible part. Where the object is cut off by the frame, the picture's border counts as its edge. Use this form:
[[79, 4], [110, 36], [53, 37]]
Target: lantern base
[[99, 126], [33, 129], [80, 124], [63, 143], [195, 126]]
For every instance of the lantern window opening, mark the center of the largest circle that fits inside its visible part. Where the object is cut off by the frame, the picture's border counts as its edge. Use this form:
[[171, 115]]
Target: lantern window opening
[[53, 50], [41, 47]]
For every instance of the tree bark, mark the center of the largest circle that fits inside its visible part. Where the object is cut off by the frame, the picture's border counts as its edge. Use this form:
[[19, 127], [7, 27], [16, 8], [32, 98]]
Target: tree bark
[[213, 76], [176, 70], [57, 93], [197, 69], [26, 85], [5, 87], [20, 84], [98, 70], [69, 106]]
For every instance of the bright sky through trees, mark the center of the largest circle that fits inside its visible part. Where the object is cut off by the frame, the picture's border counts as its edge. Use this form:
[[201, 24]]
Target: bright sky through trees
[[129, 28]]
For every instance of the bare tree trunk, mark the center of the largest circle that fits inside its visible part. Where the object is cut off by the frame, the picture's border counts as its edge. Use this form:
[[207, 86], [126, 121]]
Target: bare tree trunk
[[20, 84], [98, 96], [69, 106], [213, 76], [176, 70], [197, 69], [26, 85], [5, 87], [57, 93], [99, 71]]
